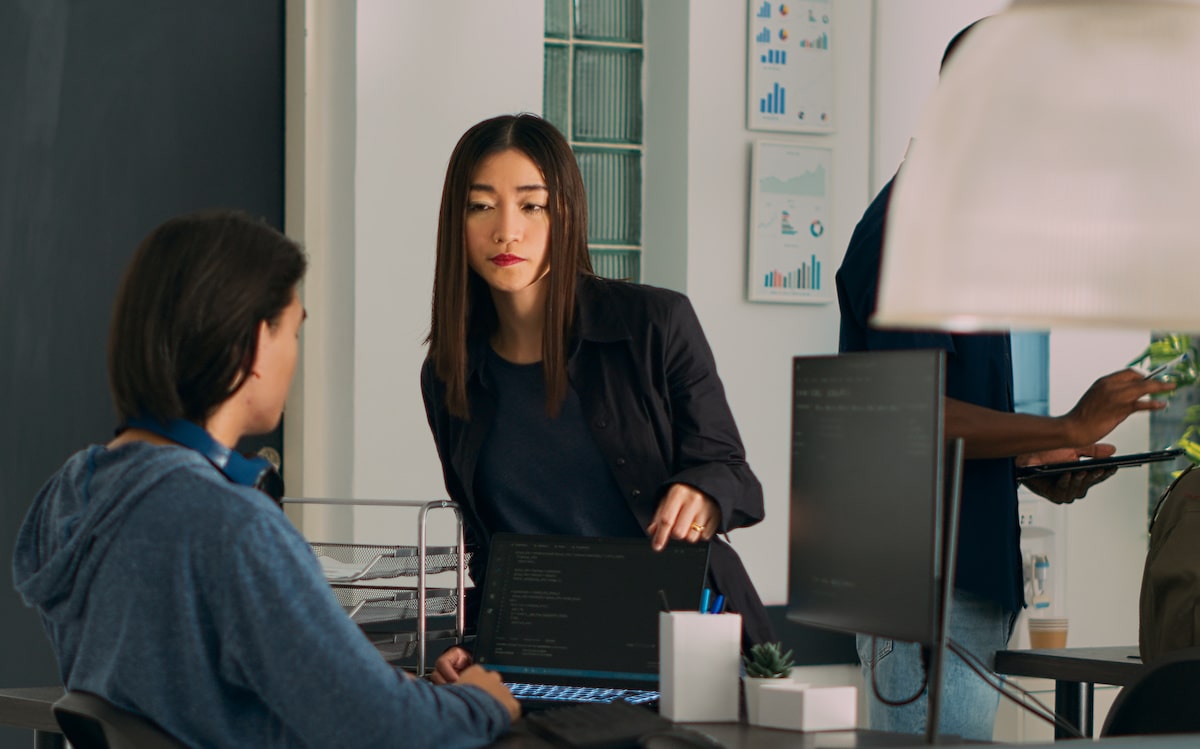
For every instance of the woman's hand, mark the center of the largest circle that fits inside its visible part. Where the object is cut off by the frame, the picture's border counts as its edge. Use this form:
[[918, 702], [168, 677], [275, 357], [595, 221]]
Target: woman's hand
[[450, 665], [685, 513]]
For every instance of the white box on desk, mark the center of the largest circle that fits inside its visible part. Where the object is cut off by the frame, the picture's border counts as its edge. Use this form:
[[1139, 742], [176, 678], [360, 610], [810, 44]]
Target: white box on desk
[[799, 707], [699, 665]]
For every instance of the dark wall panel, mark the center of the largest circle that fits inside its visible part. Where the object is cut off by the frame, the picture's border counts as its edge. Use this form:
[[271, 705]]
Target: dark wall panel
[[114, 116]]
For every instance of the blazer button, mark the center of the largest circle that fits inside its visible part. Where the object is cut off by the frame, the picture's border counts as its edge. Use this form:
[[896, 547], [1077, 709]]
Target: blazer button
[[620, 461], [635, 493], [601, 424]]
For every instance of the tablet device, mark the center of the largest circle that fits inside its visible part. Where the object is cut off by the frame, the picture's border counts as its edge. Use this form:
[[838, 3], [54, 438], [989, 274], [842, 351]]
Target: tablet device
[[1093, 464]]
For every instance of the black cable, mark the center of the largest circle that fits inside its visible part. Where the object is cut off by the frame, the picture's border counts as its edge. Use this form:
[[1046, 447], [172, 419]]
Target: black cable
[[1002, 686], [909, 700], [1038, 708]]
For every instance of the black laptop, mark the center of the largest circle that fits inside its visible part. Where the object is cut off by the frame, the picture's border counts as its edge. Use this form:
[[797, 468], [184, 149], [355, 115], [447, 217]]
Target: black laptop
[[566, 619]]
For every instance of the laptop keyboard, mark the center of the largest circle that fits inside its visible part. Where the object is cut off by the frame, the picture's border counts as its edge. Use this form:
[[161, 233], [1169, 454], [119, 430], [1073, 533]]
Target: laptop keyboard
[[568, 694], [607, 725]]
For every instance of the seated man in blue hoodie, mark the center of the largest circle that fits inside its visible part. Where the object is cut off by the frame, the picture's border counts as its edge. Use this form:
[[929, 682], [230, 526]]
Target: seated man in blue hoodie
[[168, 583]]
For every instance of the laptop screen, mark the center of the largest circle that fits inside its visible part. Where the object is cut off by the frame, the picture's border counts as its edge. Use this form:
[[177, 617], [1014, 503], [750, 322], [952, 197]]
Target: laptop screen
[[582, 611]]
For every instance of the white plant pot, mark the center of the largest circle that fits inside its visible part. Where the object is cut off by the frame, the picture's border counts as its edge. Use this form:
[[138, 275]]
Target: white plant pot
[[752, 686]]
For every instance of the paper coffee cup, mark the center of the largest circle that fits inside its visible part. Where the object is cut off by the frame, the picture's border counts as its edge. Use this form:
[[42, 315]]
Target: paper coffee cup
[[1047, 633]]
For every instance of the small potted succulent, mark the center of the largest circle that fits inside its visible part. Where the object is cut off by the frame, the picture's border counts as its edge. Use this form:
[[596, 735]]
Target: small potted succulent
[[765, 662]]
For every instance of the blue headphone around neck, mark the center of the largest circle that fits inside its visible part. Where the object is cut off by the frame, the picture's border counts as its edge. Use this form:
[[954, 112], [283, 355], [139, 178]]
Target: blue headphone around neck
[[255, 472]]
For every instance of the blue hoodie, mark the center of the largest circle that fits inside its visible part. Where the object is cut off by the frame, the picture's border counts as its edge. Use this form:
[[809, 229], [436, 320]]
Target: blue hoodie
[[180, 596]]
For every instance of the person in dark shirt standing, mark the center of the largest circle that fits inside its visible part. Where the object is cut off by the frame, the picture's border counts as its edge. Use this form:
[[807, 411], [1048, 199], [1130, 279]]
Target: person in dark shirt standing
[[979, 408]]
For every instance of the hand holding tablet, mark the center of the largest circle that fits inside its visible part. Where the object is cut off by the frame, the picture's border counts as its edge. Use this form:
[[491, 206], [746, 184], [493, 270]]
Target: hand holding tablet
[[1097, 464]]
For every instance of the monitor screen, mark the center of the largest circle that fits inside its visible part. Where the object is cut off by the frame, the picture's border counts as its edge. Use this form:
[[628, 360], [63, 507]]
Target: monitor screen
[[866, 534]]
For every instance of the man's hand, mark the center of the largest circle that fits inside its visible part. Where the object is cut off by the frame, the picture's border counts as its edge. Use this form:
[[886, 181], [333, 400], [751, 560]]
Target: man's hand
[[450, 665], [1109, 401], [685, 513], [1067, 487], [489, 681]]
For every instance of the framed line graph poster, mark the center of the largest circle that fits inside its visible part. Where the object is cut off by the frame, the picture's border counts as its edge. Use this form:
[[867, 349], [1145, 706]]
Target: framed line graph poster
[[789, 216], [789, 68]]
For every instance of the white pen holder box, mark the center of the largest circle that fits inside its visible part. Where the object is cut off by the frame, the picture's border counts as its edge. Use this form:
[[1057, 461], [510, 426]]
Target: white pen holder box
[[699, 664]]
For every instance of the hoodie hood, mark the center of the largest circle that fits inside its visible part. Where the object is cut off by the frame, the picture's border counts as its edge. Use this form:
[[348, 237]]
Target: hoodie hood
[[76, 515]]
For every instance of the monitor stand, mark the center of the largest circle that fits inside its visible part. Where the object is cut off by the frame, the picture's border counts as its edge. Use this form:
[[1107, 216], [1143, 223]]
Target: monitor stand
[[942, 625], [937, 655]]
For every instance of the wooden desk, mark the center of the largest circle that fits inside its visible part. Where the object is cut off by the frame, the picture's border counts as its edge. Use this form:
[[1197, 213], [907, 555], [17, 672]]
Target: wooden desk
[[1075, 671], [30, 708]]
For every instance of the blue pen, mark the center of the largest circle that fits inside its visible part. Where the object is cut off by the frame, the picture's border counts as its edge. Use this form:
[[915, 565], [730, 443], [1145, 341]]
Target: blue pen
[[704, 600], [718, 605]]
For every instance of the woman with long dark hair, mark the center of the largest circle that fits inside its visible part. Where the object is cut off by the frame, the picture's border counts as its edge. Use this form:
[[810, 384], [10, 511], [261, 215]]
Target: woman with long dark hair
[[562, 402]]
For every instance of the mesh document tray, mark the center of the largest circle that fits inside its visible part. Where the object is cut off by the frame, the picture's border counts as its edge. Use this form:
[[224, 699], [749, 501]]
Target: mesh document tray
[[400, 649], [379, 605], [386, 609], [344, 563]]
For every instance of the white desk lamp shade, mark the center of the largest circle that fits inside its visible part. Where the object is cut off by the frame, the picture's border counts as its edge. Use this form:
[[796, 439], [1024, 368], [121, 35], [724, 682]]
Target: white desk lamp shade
[[1055, 175]]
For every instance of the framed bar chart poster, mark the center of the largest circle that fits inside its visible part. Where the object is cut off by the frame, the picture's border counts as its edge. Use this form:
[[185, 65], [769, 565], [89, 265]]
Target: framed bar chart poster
[[789, 216], [789, 69]]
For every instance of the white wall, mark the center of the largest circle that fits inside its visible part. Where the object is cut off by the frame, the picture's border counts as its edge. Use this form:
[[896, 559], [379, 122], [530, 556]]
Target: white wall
[[1105, 531], [318, 428], [754, 343], [376, 102], [665, 145], [909, 41], [426, 72]]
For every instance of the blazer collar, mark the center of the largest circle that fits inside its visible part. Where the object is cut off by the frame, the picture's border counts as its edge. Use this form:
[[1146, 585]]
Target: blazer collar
[[598, 318], [598, 313]]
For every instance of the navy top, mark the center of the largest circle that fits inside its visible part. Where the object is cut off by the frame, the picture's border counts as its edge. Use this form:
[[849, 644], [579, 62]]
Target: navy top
[[520, 491], [978, 371]]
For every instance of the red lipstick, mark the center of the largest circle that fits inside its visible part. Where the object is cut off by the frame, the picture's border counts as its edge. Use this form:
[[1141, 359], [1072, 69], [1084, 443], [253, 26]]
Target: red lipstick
[[505, 260]]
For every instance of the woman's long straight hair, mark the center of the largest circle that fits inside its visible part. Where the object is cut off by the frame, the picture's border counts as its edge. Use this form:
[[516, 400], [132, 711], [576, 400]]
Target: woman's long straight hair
[[462, 303]]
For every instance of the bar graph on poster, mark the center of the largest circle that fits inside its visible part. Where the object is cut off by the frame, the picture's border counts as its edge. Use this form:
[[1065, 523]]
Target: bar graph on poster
[[789, 67], [789, 213]]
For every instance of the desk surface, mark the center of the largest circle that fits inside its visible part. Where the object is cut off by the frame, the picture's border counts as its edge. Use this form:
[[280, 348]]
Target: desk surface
[[743, 736], [1111, 665], [30, 708]]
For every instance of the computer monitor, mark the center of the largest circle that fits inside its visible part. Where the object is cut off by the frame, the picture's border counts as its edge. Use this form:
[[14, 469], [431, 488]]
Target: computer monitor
[[872, 527]]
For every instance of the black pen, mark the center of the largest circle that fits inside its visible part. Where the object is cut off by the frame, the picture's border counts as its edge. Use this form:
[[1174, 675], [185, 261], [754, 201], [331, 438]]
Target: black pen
[[662, 596]]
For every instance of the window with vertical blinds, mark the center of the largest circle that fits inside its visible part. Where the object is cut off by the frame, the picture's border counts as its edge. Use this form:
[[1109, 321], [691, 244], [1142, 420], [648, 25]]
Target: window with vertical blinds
[[594, 52]]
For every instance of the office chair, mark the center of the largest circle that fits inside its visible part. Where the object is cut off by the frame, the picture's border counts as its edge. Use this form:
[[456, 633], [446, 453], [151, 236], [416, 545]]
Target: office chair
[[1162, 700], [90, 722]]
